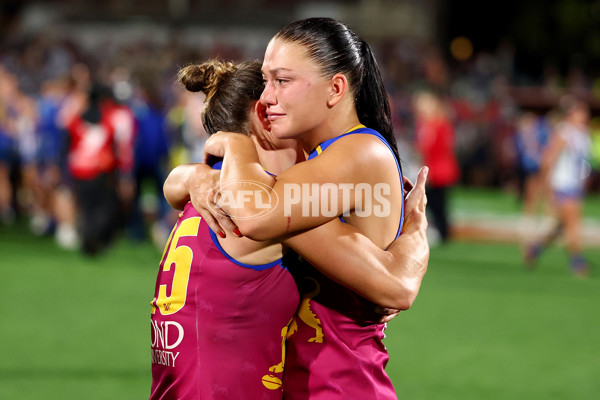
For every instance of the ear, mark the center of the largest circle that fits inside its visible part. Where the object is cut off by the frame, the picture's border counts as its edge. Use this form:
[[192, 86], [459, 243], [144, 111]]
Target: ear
[[338, 87], [261, 113]]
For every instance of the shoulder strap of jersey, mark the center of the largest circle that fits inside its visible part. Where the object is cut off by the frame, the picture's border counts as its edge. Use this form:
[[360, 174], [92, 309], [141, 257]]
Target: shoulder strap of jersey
[[361, 129]]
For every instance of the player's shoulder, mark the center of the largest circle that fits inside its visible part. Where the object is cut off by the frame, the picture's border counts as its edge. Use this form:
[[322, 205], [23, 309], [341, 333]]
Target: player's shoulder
[[368, 147]]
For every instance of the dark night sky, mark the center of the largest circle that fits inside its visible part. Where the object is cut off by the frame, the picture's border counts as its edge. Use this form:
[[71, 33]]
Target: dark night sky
[[555, 32], [552, 32]]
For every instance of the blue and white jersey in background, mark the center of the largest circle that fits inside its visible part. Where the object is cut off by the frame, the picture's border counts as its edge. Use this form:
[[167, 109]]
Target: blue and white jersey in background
[[572, 167]]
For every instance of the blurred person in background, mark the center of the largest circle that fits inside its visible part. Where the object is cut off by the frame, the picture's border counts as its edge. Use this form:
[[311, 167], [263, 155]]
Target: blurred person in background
[[565, 169], [176, 122], [186, 133], [531, 137], [99, 161], [151, 148], [73, 103], [51, 141], [29, 190], [182, 122], [434, 139], [124, 123], [23, 122], [8, 153]]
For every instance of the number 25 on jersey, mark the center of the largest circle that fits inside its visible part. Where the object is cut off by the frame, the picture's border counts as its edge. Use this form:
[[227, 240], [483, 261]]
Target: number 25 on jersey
[[176, 264]]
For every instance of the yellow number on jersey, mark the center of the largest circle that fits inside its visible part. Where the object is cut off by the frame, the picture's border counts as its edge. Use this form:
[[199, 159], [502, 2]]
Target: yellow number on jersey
[[180, 258]]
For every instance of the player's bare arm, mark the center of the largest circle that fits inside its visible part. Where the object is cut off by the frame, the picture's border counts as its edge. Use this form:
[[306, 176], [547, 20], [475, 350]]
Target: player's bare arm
[[240, 163], [391, 278]]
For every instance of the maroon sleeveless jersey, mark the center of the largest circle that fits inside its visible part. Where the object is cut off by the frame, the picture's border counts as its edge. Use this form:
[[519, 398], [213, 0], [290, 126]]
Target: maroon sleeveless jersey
[[218, 326], [335, 343]]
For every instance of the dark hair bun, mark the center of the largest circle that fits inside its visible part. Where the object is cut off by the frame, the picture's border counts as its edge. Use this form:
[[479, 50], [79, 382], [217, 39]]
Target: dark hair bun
[[205, 77]]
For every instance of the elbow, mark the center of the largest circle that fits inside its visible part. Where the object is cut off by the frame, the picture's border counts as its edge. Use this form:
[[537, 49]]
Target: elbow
[[175, 200], [253, 229], [402, 296], [404, 303]]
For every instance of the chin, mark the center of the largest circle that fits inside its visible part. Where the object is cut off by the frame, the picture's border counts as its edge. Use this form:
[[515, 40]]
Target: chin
[[281, 132]]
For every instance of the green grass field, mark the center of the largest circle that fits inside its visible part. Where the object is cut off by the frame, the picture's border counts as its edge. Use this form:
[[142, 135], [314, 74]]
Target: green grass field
[[481, 328], [485, 328]]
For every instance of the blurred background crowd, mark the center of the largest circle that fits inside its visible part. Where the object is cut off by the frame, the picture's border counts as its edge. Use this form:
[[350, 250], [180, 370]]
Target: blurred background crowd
[[475, 92]]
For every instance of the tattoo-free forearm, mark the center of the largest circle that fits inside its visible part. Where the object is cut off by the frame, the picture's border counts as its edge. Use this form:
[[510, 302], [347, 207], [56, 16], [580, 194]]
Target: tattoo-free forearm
[[390, 279]]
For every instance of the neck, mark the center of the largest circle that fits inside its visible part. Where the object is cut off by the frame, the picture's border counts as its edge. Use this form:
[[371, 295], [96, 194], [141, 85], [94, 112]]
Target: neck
[[340, 119], [329, 130]]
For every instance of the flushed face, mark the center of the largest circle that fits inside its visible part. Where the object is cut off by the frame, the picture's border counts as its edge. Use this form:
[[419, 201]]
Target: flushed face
[[295, 93]]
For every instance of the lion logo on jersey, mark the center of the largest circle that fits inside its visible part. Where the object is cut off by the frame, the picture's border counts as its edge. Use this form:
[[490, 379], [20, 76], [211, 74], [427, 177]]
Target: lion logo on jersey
[[270, 381], [307, 316]]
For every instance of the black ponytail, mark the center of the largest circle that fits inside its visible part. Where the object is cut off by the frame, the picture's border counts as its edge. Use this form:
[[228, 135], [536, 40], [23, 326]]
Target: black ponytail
[[372, 104]]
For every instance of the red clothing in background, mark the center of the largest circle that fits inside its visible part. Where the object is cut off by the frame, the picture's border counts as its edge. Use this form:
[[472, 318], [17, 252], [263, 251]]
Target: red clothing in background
[[103, 147], [435, 141]]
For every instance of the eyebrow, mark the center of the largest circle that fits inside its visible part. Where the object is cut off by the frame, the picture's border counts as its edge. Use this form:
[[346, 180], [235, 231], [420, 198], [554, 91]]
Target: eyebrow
[[274, 71]]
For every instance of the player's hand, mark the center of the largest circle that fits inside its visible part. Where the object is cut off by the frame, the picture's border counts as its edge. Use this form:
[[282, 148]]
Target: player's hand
[[386, 314], [407, 184], [203, 187], [416, 203], [411, 249]]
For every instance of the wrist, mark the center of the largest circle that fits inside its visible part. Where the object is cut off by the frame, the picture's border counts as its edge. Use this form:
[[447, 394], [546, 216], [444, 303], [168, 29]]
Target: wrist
[[239, 151], [238, 140], [190, 173], [187, 178]]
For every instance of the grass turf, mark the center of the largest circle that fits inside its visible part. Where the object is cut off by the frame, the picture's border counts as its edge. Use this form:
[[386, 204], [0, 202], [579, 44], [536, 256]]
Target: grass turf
[[74, 327], [494, 201], [482, 326], [485, 328]]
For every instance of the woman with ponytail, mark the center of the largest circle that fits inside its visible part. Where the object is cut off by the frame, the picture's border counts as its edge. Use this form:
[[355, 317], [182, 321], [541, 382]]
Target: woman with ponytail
[[223, 303], [323, 89]]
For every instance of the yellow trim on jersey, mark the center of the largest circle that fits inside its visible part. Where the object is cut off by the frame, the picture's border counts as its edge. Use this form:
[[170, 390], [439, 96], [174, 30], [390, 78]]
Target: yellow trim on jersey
[[354, 128], [318, 148]]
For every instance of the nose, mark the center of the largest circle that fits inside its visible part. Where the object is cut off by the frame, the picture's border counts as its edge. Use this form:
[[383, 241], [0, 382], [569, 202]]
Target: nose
[[268, 96]]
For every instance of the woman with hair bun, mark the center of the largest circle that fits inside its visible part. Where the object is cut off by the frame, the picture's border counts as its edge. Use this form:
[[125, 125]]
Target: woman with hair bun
[[213, 332]]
